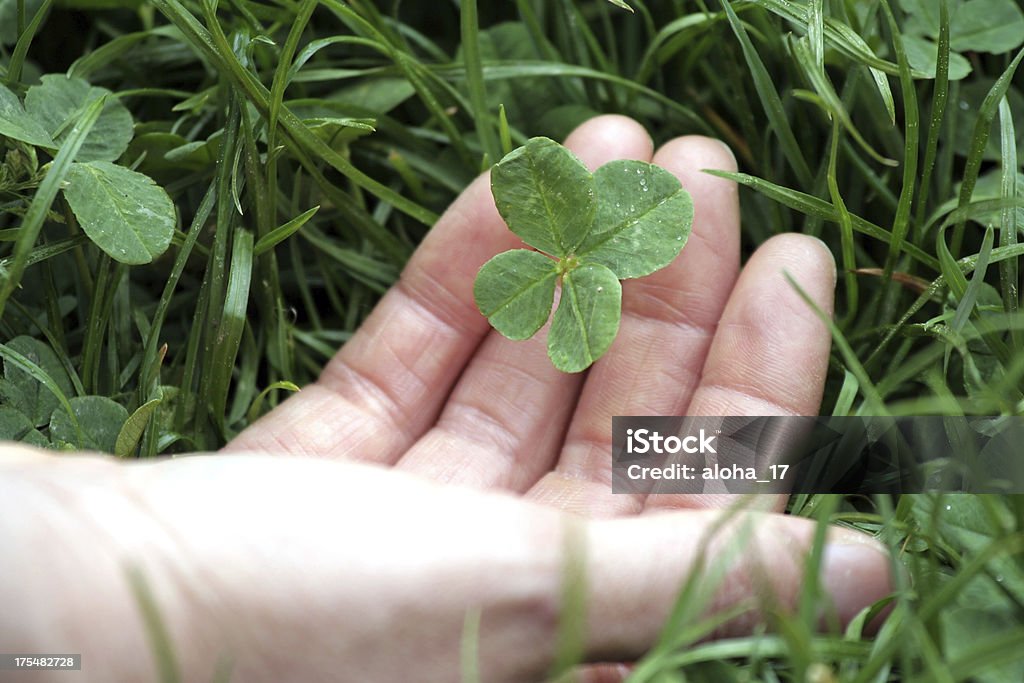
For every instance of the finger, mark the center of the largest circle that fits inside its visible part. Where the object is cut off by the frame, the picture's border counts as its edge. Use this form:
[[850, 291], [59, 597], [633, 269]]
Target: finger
[[668, 322], [506, 418], [754, 563], [770, 354], [385, 387]]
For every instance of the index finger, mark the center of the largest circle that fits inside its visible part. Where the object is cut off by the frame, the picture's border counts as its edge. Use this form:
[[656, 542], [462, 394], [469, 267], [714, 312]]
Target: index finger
[[385, 386]]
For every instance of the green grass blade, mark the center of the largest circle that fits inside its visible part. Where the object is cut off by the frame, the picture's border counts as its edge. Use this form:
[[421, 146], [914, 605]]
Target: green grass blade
[[410, 68], [979, 139], [823, 87], [25, 37], [103, 56], [255, 410], [509, 70], [469, 647], [150, 363], [1004, 648], [816, 33], [970, 295], [475, 79], [283, 232], [232, 323], [911, 135], [773, 108], [157, 632], [504, 132], [940, 94], [1008, 271], [812, 206], [284, 66], [849, 255], [45, 251], [841, 36]]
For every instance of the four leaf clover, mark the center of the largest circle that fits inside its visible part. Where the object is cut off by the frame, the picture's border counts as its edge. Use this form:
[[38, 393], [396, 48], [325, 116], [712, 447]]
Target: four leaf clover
[[626, 220]]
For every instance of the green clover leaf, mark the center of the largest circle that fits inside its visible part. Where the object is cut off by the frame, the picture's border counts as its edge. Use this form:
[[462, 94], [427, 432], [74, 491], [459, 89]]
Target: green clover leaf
[[587, 318], [514, 290], [637, 232], [546, 195], [626, 220]]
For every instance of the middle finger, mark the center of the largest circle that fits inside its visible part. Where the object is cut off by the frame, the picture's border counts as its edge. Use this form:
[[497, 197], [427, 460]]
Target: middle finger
[[668, 321], [504, 423]]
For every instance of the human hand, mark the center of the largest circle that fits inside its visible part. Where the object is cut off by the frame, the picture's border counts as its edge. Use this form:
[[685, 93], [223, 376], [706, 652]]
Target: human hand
[[335, 568], [426, 386]]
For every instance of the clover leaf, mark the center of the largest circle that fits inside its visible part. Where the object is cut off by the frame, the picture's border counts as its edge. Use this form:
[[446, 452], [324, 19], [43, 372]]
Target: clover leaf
[[626, 220]]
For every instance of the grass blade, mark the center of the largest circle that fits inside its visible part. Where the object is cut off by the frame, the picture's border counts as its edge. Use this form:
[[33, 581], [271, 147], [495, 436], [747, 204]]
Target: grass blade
[[1008, 274], [475, 80], [25, 38], [911, 134], [979, 139], [940, 94], [770, 100], [232, 323], [830, 100], [283, 232], [812, 206], [845, 230]]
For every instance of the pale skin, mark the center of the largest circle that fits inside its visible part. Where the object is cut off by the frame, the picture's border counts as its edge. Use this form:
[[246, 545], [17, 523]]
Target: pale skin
[[437, 469]]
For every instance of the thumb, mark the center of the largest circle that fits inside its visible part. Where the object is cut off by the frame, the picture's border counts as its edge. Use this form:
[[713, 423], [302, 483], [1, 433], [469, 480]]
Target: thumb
[[740, 566]]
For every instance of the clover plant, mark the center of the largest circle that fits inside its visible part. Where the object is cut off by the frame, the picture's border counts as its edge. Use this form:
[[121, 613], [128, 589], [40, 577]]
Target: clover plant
[[124, 212], [626, 220]]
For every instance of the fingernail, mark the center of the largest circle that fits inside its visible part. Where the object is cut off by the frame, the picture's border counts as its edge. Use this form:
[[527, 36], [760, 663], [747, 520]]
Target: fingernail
[[855, 573]]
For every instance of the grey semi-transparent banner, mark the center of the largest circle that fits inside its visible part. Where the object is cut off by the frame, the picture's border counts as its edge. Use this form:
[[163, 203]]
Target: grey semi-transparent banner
[[851, 455], [40, 662]]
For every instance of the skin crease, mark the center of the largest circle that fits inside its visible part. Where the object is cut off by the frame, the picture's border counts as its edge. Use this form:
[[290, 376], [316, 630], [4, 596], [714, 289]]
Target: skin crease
[[436, 468]]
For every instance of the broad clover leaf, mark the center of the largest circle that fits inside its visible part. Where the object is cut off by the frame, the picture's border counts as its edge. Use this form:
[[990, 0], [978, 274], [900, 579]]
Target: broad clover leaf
[[626, 220]]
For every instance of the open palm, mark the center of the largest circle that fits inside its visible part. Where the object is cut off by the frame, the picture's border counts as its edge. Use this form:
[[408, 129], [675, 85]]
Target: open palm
[[427, 387]]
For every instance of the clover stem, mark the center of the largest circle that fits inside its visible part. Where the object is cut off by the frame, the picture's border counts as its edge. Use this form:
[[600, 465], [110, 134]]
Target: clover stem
[[567, 264]]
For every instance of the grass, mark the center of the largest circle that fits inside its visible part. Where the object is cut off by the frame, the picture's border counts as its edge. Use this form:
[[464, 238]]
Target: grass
[[308, 146]]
